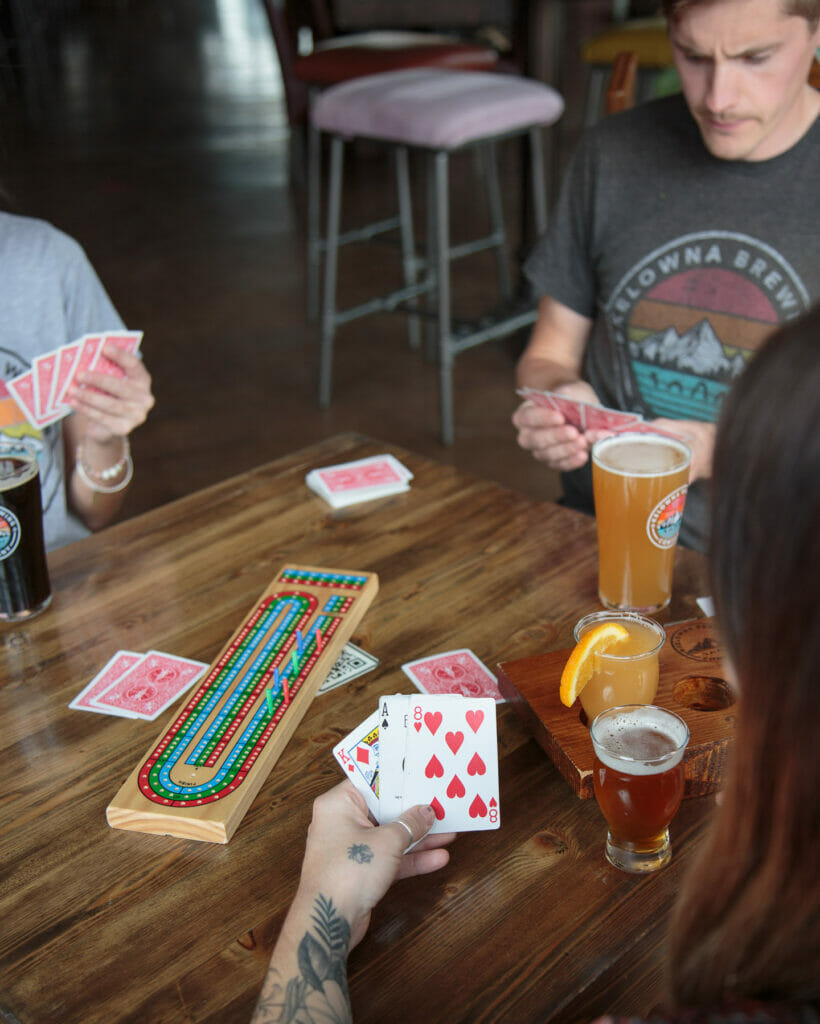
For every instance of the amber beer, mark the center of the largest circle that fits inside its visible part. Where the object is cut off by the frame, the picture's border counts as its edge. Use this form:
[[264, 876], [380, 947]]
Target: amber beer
[[639, 482], [638, 777], [24, 584]]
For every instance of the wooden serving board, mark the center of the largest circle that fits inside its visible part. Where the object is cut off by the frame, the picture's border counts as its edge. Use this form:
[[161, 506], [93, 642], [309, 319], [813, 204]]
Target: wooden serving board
[[690, 683], [199, 778]]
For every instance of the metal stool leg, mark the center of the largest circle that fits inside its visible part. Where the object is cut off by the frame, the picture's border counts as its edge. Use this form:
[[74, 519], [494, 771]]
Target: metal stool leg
[[538, 179], [488, 155], [442, 246], [331, 255], [595, 95], [432, 303], [314, 207], [408, 244]]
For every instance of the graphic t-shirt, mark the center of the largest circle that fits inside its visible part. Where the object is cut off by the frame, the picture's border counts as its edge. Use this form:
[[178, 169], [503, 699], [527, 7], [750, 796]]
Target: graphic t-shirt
[[49, 296], [686, 263]]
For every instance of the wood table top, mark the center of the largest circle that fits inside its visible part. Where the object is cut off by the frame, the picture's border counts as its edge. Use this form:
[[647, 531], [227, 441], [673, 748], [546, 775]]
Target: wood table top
[[527, 923]]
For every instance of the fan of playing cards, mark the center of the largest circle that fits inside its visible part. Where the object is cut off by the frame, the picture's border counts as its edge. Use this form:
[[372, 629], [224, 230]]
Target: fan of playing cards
[[587, 416], [40, 392], [421, 749]]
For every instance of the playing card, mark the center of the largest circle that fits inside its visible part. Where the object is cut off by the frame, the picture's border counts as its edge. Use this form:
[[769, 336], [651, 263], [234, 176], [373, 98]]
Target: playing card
[[361, 480], [66, 361], [358, 755], [350, 664], [392, 722], [597, 417], [89, 350], [116, 667], [151, 685], [451, 762], [22, 388], [459, 672], [44, 371], [583, 415], [129, 341]]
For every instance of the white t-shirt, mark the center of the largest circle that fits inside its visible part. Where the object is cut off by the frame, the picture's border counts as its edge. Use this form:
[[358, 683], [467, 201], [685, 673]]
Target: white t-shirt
[[49, 296]]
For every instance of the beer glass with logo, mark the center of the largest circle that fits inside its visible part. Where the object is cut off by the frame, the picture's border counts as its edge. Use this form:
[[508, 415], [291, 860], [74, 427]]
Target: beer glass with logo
[[24, 584], [639, 482], [628, 672], [638, 778]]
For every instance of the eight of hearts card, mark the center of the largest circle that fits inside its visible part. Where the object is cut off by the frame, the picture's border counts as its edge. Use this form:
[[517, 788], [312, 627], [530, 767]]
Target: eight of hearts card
[[442, 751]]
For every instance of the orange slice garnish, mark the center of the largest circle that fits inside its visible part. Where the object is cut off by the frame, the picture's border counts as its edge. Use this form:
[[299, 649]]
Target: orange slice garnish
[[580, 664]]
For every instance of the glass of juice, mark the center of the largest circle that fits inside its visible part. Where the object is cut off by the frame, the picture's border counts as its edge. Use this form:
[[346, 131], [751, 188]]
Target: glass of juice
[[629, 676], [639, 483], [638, 778]]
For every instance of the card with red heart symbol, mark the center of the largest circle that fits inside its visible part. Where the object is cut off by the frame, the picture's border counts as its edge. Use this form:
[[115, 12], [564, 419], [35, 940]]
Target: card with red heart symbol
[[442, 751]]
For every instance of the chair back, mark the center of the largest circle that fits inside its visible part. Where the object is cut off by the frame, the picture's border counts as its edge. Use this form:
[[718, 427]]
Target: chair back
[[284, 29], [622, 86]]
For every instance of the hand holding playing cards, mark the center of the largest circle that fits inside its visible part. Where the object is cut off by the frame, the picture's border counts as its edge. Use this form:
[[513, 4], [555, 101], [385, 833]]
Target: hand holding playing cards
[[701, 439], [349, 864], [110, 405], [550, 437], [354, 862]]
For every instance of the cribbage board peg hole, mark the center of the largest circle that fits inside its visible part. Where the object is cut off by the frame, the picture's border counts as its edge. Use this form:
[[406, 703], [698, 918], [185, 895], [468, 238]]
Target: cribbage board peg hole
[[703, 693]]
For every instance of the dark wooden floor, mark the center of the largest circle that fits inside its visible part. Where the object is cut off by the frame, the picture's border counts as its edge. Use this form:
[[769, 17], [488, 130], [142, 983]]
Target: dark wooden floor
[[162, 145]]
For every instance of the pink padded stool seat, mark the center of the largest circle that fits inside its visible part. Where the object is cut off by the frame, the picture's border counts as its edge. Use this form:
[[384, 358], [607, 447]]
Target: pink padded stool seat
[[436, 111], [434, 108]]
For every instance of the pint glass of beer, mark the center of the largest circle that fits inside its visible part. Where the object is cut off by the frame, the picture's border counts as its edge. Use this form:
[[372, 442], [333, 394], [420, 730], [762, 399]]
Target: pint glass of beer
[[628, 672], [639, 482], [24, 585], [638, 778]]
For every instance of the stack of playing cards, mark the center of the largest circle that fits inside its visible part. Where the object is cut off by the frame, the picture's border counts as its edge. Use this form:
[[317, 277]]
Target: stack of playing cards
[[135, 685], [459, 672], [437, 750], [587, 416], [40, 392], [363, 480]]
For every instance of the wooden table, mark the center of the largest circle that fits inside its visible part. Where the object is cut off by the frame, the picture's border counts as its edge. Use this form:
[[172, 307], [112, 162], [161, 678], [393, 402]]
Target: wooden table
[[527, 923]]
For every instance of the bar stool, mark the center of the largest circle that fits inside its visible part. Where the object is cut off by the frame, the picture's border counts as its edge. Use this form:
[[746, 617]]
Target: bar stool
[[336, 59], [438, 113]]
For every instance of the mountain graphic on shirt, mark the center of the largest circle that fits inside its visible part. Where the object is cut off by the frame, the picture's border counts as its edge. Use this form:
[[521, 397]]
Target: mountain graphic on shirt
[[697, 351]]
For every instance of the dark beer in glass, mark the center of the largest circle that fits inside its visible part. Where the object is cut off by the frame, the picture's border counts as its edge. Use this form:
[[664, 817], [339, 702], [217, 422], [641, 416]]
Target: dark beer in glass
[[24, 584], [638, 778]]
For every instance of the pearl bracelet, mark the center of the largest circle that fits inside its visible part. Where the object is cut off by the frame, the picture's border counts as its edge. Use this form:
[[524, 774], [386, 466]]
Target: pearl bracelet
[[97, 480]]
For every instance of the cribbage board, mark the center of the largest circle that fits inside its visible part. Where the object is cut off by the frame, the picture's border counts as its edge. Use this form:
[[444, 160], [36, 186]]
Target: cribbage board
[[199, 778], [691, 683]]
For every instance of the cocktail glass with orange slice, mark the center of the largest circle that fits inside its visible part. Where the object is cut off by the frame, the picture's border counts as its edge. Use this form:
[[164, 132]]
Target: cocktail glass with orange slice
[[615, 661]]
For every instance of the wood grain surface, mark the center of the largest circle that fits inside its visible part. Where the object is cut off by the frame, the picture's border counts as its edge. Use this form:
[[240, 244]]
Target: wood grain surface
[[527, 923]]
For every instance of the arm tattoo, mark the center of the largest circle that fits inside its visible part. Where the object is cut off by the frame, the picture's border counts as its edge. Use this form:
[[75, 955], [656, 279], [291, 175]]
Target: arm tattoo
[[319, 992]]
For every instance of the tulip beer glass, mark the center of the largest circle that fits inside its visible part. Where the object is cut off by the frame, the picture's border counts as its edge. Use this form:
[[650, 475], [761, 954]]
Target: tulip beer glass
[[639, 483], [628, 672], [638, 777], [24, 584]]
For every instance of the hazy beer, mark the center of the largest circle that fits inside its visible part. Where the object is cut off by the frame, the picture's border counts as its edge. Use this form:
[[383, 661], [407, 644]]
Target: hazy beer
[[638, 777], [628, 672], [639, 483], [24, 584]]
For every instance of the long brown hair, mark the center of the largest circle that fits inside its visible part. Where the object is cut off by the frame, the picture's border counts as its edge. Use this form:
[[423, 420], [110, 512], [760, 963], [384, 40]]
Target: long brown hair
[[748, 919]]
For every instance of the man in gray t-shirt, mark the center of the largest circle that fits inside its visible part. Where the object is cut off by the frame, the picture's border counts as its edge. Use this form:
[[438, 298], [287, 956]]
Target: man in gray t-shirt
[[686, 232], [50, 296]]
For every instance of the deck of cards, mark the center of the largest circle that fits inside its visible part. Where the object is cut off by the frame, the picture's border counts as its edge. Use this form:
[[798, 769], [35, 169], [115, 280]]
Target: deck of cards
[[349, 483], [420, 749], [133, 685], [40, 392], [587, 416]]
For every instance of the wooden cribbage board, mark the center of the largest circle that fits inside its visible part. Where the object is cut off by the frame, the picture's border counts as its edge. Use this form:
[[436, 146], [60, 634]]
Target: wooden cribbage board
[[690, 683], [199, 778]]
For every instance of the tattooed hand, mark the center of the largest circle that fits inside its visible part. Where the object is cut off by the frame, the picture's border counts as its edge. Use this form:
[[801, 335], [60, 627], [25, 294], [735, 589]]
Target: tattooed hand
[[349, 864]]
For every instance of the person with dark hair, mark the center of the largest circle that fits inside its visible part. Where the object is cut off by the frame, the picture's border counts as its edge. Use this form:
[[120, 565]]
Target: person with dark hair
[[745, 933], [686, 232], [51, 296]]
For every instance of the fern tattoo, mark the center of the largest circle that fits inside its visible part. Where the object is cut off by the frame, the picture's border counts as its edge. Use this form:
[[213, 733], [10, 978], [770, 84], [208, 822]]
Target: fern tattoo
[[319, 992]]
